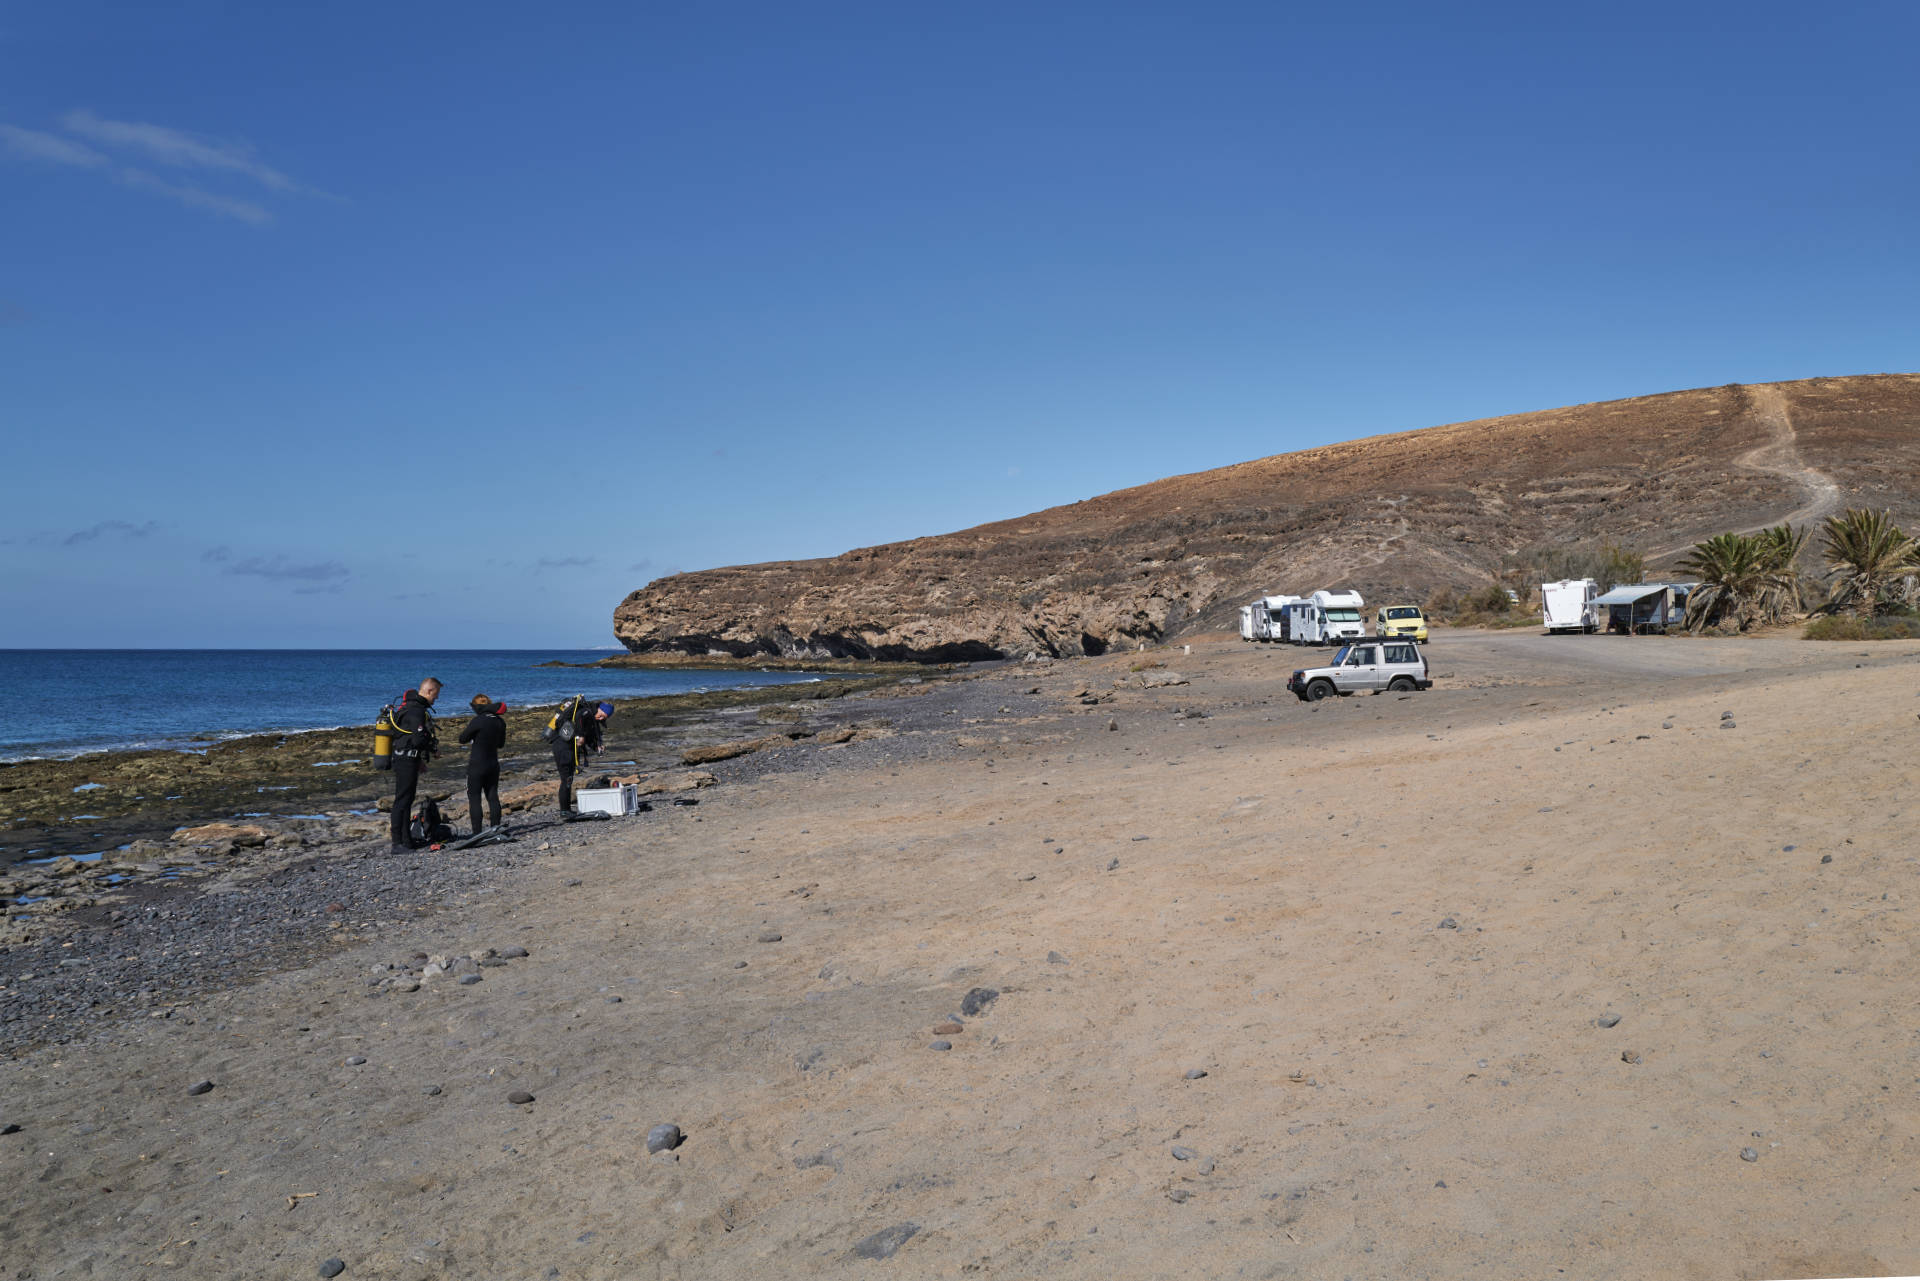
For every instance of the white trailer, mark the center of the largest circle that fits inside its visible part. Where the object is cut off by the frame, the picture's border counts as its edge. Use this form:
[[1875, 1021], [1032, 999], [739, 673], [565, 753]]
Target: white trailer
[[1276, 608], [1326, 618], [1246, 622], [1568, 605]]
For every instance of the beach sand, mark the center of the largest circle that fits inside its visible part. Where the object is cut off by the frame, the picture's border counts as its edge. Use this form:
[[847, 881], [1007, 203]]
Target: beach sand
[[1389, 930]]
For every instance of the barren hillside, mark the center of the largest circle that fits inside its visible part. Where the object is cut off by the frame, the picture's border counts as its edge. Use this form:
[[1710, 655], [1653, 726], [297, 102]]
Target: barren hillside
[[1394, 516]]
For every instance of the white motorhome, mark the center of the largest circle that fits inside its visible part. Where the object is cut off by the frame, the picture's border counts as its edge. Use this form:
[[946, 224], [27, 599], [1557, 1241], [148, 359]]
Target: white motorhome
[[1326, 618], [1246, 622], [1568, 606], [1276, 607]]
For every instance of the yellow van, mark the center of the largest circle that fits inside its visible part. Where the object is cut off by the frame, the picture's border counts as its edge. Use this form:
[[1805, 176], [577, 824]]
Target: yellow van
[[1401, 620]]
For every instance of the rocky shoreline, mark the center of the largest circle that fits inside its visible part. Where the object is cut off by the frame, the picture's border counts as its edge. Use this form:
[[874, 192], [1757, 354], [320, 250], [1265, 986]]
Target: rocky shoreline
[[155, 926], [155, 820]]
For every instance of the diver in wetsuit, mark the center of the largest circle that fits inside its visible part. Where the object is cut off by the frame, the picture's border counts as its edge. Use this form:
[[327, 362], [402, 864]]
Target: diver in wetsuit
[[413, 746], [487, 732], [571, 750]]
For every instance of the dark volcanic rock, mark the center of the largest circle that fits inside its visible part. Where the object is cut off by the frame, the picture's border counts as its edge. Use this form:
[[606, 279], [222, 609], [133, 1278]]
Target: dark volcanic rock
[[883, 1244]]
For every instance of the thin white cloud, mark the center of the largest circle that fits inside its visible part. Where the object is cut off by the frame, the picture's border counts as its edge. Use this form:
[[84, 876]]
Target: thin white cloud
[[35, 145], [194, 197], [176, 148], [115, 142]]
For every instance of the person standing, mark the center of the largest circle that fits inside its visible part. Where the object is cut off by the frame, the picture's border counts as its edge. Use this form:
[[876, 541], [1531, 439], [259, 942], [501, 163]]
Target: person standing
[[413, 747], [487, 732], [577, 739]]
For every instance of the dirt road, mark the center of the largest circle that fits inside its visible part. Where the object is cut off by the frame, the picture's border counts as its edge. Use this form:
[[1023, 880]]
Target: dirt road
[[1544, 972]]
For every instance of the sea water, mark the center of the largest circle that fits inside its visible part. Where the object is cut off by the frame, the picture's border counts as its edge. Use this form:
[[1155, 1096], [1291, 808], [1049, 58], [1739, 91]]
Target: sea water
[[65, 702]]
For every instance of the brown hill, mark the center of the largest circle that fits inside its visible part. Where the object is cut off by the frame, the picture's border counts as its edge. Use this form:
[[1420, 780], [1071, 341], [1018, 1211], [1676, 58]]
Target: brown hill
[[1392, 516]]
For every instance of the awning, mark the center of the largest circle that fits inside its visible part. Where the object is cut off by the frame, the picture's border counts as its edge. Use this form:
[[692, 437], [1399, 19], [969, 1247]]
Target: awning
[[1632, 595]]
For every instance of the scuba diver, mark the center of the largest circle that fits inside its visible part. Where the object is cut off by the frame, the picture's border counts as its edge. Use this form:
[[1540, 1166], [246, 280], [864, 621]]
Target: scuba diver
[[414, 743], [576, 736], [487, 732]]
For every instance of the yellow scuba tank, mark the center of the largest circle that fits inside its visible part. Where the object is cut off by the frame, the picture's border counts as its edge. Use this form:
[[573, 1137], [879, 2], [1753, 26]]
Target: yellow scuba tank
[[383, 732]]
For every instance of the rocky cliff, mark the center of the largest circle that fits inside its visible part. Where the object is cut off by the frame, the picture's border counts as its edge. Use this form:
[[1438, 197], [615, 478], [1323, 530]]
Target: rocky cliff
[[1392, 516]]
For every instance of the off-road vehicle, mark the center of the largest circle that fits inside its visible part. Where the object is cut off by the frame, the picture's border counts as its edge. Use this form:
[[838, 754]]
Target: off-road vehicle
[[1372, 665]]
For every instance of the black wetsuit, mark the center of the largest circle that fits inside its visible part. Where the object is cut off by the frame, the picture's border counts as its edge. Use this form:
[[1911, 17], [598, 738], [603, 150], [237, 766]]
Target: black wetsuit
[[413, 744], [488, 734], [568, 756]]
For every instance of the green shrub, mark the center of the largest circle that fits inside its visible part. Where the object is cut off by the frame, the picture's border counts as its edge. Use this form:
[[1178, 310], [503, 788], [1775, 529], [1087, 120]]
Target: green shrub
[[1848, 627]]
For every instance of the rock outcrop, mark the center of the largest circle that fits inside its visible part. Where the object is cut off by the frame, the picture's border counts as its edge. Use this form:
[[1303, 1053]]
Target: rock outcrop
[[1392, 516]]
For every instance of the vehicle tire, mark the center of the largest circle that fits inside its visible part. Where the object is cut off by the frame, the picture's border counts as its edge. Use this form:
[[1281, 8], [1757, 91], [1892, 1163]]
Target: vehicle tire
[[1319, 690], [1401, 684]]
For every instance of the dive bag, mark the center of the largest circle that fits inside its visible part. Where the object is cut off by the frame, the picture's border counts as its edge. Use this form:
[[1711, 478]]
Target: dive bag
[[428, 827]]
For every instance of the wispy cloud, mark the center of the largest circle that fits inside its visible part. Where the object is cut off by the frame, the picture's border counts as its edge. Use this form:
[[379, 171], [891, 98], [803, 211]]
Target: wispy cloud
[[562, 562], [194, 198], [176, 148], [278, 568], [640, 566], [153, 144], [119, 528], [34, 145]]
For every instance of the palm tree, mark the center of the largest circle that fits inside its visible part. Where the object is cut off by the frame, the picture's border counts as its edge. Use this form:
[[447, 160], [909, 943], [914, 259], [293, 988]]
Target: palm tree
[[1868, 553], [1733, 570], [1779, 549]]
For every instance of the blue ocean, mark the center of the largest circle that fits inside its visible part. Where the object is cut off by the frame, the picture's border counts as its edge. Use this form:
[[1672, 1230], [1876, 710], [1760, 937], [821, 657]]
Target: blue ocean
[[69, 701]]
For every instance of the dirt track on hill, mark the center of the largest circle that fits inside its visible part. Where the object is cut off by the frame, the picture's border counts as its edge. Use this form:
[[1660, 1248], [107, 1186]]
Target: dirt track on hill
[[1392, 932]]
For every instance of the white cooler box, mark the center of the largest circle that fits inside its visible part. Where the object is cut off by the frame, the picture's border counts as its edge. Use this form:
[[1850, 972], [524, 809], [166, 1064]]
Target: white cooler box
[[618, 801]]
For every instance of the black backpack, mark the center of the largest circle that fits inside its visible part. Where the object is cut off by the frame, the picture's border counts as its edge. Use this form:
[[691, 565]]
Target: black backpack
[[428, 827]]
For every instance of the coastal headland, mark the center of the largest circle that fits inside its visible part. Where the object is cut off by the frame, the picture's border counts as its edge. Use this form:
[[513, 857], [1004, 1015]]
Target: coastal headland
[[1397, 517], [1595, 959]]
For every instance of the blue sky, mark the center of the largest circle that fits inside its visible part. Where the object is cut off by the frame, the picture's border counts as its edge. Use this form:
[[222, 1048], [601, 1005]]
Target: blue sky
[[440, 325]]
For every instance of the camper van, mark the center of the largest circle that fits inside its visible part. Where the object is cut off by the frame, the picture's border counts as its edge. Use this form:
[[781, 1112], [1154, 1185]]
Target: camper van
[[1568, 606], [1276, 607], [1326, 618]]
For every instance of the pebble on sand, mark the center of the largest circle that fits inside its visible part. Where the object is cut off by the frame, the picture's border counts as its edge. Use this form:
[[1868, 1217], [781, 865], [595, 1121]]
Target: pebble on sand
[[9, 1128], [1183, 1154], [513, 953], [947, 1028], [883, 1244], [941, 1045], [1609, 1019], [1448, 924], [519, 1097], [355, 1060], [664, 1138], [1748, 1154], [613, 1000], [1178, 1195], [978, 999], [431, 1090], [1054, 958], [332, 1267], [769, 936], [1194, 1074], [468, 980], [200, 1087]]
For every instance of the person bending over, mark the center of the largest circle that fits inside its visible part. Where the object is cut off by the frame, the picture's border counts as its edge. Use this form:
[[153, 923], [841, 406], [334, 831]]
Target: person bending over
[[487, 732], [572, 750], [413, 746]]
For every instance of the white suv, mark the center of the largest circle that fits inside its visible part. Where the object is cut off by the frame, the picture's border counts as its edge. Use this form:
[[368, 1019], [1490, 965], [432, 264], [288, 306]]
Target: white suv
[[1371, 665]]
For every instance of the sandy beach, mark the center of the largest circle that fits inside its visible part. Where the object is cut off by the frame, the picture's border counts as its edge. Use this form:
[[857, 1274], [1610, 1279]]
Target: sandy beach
[[1554, 970]]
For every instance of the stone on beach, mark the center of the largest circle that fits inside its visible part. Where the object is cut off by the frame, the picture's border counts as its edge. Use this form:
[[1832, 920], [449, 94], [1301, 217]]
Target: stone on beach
[[664, 1138]]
